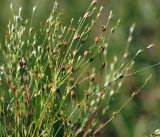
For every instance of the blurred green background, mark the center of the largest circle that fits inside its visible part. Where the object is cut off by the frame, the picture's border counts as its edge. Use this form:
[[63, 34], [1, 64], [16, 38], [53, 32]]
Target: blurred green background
[[142, 116]]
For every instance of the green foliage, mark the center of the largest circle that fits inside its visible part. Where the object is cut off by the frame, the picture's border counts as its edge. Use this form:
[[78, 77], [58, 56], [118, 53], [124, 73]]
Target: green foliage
[[50, 85]]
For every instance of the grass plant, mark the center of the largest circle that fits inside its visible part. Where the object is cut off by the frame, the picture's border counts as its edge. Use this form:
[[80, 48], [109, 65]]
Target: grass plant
[[50, 85]]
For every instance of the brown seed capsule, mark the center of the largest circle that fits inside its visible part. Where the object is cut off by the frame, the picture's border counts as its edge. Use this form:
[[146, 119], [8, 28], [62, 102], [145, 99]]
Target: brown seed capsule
[[65, 44], [74, 52], [8, 81], [76, 85], [13, 89], [103, 65], [86, 15], [59, 45], [72, 29], [97, 40], [121, 76], [19, 114], [62, 68], [53, 51], [103, 49], [24, 80], [95, 135], [22, 62], [78, 105], [114, 113], [17, 104], [82, 40], [76, 37], [88, 94], [112, 30], [85, 53], [73, 94], [71, 69], [50, 66], [103, 28], [94, 2], [133, 94], [101, 93], [92, 78], [71, 80], [48, 49]]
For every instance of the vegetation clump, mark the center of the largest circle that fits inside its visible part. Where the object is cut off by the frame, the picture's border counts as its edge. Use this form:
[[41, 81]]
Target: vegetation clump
[[50, 85]]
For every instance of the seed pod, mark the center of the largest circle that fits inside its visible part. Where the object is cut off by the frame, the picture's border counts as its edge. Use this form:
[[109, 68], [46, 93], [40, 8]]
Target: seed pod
[[58, 91], [22, 62], [13, 89], [59, 45], [78, 105], [114, 113], [82, 40], [17, 104], [103, 65], [62, 68], [73, 94], [71, 80], [85, 53], [103, 28], [92, 78], [65, 44], [48, 49], [133, 94], [121, 76], [8, 81], [76, 85], [76, 37], [71, 69], [94, 2], [112, 30], [72, 29], [19, 114], [97, 40], [74, 52], [101, 93], [86, 15]]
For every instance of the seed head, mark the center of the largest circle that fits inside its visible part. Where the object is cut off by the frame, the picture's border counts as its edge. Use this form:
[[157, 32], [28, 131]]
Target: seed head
[[13, 89], [78, 105], [114, 113], [8, 81], [76, 37], [11, 6], [28, 98], [71, 69], [71, 79], [86, 15], [110, 15], [62, 68], [133, 94], [94, 2], [34, 8], [103, 28], [92, 78], [74, 52], [85, 53], [73, 94], [103, 65], [97, 39], [65, 44]]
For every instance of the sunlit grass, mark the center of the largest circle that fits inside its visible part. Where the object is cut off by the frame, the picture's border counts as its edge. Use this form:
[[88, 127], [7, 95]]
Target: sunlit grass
[[49, 84]]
